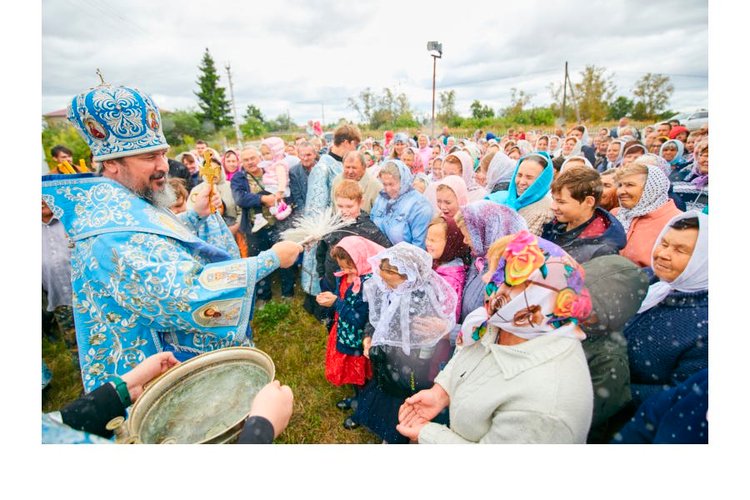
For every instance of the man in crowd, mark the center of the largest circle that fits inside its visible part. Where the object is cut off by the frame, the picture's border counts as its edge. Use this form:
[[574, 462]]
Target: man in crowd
[[61, 154], [355, 169], [662, 130], [299, 174], [146, 281], [257, 223]]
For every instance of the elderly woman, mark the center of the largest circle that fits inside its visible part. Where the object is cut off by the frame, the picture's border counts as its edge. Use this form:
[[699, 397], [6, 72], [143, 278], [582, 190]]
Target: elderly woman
[[481, 223], [400, 212], [521, 376], [631, 151], [230, 211], [528, 194], [411, 312], [668, 338], [645, 208]]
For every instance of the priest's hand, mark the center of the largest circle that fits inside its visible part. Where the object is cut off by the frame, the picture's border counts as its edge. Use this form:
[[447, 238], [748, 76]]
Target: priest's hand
[[202, 205], [287, 252]]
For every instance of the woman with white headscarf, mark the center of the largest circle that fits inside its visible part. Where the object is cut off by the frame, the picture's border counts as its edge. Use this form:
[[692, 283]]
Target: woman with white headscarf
[[645, 208], [500, 172], [521, 375], [412, 310], [668, 338], [613, 156], [572, 161]]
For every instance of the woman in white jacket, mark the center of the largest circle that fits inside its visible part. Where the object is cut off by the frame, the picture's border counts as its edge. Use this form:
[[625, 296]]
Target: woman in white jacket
[[521, 375]]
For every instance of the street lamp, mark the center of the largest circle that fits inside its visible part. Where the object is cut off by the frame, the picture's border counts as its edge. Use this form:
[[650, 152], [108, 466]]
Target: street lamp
[[436, 50]]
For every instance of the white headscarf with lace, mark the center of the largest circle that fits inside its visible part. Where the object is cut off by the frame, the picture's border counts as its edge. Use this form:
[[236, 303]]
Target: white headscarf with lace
[[418, 312]]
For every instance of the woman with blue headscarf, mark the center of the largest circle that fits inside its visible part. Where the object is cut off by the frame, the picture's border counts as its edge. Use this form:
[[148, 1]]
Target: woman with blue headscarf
[[528, 192], [401, 212], [672, 152]]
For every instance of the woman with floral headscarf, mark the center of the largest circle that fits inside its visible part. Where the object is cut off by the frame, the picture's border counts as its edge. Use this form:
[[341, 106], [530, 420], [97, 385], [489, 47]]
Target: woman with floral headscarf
[[522, 376], [668, 338], [645, 208], [528, 193], [413, 160], [481, 223], [411, 312]]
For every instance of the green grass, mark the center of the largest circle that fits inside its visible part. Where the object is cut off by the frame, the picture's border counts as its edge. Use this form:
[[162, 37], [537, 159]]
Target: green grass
[[295, 341], [65, 385]]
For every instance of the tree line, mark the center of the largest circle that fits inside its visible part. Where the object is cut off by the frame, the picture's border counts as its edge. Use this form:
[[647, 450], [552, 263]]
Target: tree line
[[595, 97]]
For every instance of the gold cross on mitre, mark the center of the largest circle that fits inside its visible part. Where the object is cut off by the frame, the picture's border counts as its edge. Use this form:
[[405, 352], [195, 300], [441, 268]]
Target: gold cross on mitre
[[210, 172]]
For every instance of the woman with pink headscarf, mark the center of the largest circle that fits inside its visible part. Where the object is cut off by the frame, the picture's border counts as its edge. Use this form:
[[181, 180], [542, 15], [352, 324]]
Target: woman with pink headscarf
[[230, 163], [447, 196], [460, 163]]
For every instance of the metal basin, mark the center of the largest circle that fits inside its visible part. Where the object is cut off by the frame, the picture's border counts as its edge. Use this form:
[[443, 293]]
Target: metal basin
[[203, 400]]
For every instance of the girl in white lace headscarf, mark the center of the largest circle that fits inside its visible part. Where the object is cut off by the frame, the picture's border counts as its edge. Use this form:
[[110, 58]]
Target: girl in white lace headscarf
[[416, 313], [411, 313]]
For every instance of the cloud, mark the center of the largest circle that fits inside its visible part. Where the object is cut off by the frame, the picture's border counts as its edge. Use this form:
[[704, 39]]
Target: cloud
[[309, 57]]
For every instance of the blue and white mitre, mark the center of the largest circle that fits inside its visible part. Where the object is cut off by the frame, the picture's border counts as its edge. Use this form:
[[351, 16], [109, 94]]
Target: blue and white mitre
[[117, 121]]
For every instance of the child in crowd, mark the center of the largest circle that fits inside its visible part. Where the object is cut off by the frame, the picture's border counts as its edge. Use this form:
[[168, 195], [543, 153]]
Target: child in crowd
[[181, 193], [581, 227], [345, 362], [276, 174], [436, 168], [411, 313], [450, 255], [421, 182]]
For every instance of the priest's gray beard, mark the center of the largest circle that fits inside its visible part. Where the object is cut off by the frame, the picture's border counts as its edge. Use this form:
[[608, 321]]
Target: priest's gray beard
[[162, 199]]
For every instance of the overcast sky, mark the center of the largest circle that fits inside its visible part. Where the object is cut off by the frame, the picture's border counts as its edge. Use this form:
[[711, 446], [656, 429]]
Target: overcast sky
[[307, 57]]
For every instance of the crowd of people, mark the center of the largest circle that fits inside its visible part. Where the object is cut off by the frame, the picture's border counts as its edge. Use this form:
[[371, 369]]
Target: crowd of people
[[540, 286]]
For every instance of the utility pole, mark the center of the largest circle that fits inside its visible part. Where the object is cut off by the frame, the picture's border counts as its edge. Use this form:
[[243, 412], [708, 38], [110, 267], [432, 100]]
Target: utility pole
[[323, 113], [234, 107], [569, 84], [565, 92], [436, 51]]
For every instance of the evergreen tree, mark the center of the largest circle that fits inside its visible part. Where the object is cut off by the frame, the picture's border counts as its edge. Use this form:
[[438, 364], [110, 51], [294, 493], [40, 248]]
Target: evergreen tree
[[214, 106]]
